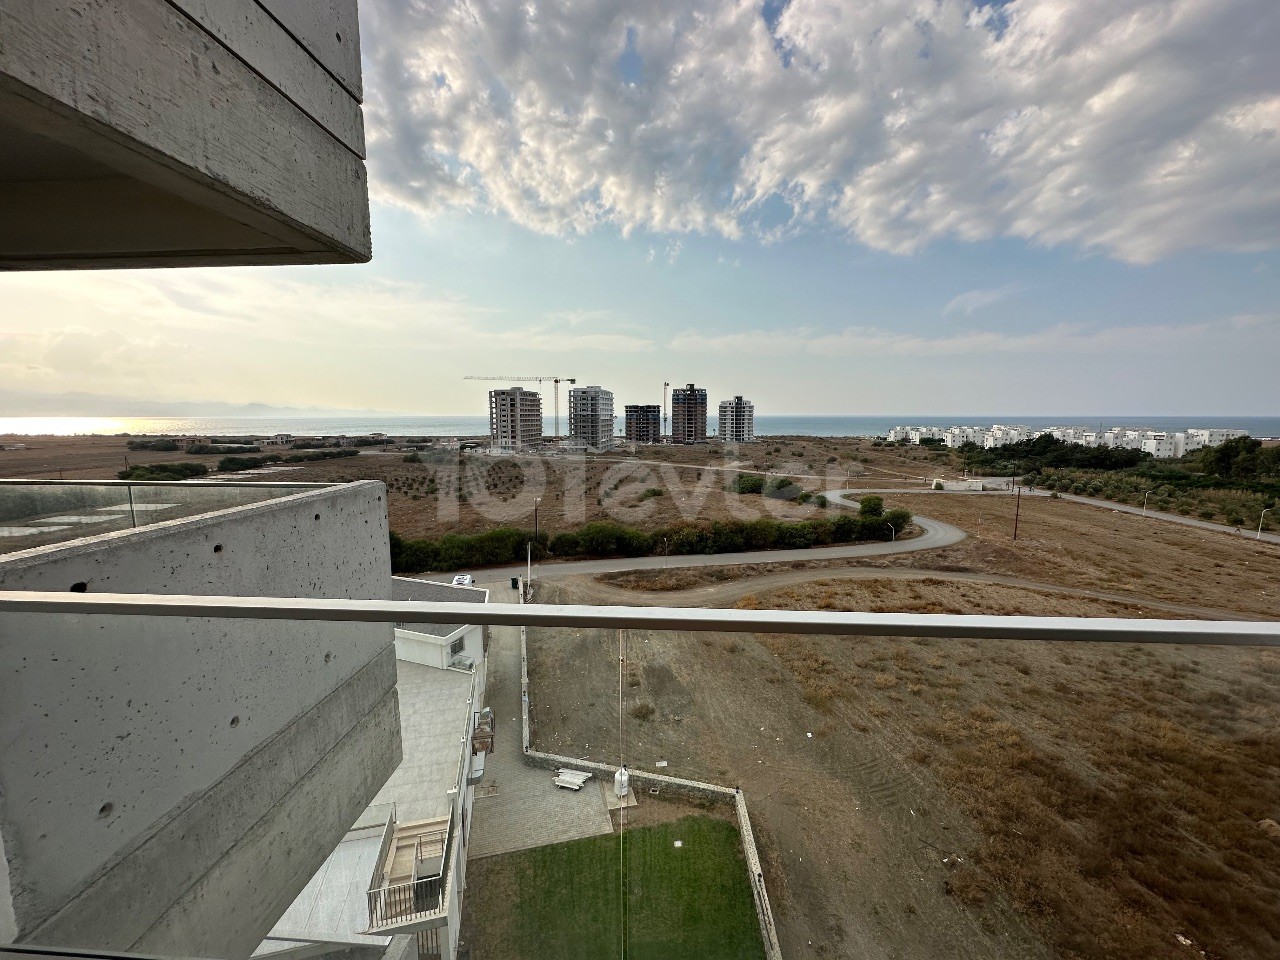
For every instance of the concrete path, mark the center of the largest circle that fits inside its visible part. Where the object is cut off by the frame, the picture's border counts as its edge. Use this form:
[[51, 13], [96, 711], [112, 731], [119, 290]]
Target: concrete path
[[527, 810], [935, 534]]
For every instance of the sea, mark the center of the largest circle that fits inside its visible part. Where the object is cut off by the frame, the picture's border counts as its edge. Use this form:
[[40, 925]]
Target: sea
[[428, 426]]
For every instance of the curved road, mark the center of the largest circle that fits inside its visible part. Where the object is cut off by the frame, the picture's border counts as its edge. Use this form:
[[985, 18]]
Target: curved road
[[934, 534]]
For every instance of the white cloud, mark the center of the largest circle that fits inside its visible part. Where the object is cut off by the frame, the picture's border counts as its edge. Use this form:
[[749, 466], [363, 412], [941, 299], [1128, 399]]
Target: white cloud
[[971, 301], [1058, 340], [1135, 127]]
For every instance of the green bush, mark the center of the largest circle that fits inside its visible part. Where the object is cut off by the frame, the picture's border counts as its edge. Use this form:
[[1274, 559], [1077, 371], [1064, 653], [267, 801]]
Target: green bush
[[162, 443], [204, 449], [652, 492], [747, 483], [164, 471], [871, 507], [898, 519], [247, 463]]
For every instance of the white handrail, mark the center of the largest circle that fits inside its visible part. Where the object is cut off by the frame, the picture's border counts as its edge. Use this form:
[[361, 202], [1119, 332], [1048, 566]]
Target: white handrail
[[1088, 629]]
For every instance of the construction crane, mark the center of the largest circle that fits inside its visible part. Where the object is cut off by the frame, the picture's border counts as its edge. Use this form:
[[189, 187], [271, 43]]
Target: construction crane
[[539, 380]]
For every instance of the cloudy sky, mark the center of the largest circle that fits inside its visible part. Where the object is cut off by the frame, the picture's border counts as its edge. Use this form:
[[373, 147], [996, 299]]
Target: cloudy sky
[[889, 206]]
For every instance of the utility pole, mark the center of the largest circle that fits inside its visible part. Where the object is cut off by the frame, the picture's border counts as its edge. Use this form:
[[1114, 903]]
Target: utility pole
[[1017, 511]]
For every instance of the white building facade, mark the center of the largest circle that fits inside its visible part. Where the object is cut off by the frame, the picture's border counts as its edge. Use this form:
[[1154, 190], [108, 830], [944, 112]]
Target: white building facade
[[591, 417], [737, 420], [515, 418], [1161, 444]]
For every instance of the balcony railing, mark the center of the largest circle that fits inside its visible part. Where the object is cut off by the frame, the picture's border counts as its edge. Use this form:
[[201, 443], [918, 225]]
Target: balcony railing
[[955, 626], [412, 904]]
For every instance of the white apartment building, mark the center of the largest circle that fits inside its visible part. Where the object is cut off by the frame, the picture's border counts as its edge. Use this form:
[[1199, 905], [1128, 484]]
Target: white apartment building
[[591, 417], [737, 420], [1159, 443], [515, 418]]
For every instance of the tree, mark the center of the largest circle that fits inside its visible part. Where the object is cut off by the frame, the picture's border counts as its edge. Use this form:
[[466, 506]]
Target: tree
[[871, 507]]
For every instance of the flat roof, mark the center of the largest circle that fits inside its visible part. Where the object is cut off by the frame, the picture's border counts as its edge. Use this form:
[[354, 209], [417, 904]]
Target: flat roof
[[432, 591], [435, 709], [334, 903]]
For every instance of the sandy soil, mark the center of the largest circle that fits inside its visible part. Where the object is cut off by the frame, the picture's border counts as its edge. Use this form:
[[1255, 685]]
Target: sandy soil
[[423, 497], [883, 829], [80, 458], [1060, 543]]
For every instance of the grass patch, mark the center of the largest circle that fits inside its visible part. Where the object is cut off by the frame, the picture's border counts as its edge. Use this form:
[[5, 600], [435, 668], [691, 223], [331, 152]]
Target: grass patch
[[692, 902]]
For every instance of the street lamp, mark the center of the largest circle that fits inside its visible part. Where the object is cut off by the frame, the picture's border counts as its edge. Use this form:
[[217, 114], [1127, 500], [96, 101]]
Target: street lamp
[[1145, 494], [893, 534], [1260, 519], [536, 501]]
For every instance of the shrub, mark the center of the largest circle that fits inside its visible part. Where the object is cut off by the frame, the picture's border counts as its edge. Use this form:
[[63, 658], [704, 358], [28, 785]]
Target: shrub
[[871, 507], [747, 483], [652, 492], [414, 457], [204, 449], [161, 444], [164, 471], [898, 519]]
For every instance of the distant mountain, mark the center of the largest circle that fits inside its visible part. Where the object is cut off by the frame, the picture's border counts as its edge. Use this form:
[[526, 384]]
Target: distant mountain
[[22, 404]]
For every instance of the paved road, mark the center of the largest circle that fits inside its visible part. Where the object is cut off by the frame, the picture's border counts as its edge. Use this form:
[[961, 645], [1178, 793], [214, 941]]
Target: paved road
[[934, 534], [1087, 501]]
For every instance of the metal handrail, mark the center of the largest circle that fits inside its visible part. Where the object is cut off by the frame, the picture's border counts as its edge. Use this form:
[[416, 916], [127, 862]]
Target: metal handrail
[[35, 482], [958, 626], [406, 902], [414, 900]]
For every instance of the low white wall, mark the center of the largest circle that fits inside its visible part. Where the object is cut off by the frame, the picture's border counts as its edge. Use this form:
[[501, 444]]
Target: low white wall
[[118, 730]]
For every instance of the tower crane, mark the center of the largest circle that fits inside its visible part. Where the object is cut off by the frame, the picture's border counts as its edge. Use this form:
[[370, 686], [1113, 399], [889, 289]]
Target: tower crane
[[555, 380]]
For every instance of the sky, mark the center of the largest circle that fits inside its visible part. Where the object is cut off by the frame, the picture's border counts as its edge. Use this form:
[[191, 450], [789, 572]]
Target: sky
[[891, 206]]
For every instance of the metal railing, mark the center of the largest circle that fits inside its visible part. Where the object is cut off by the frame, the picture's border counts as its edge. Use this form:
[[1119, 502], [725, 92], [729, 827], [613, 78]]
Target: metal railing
[[955, 626], [420, 899], [405, 903]]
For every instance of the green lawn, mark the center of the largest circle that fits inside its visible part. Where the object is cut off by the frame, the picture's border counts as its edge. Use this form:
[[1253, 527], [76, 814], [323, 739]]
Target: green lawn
[[688, 903]]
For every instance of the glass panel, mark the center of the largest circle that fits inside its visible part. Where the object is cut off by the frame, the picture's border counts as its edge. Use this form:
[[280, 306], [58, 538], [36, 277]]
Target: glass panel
[[38, 514]]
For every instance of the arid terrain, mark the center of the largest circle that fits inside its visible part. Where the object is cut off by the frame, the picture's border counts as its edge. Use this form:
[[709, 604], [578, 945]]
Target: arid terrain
[[976, 798], [445, 493]]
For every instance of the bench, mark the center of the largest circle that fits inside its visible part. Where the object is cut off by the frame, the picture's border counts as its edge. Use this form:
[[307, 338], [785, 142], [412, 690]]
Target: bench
[[570, 779]]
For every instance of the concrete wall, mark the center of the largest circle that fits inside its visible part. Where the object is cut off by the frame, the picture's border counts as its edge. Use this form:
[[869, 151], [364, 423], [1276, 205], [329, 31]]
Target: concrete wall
[[160, 132], [169, 785], [433, 651]]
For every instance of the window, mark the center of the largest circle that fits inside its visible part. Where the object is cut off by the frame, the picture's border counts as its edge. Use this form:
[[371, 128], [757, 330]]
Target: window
[[457, 646]]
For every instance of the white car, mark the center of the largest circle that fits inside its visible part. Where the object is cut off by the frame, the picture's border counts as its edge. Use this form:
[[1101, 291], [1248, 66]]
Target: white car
[[464, 580]]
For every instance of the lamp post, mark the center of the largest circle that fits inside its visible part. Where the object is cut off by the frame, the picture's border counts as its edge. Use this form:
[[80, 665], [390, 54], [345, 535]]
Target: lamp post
[[1260, 519], [1145, 494], [893, 534], [536, 501]]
